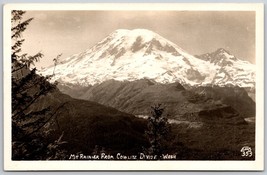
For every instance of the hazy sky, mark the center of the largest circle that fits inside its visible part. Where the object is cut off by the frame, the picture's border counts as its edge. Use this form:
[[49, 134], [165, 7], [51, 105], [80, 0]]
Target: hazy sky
[[71, 32]]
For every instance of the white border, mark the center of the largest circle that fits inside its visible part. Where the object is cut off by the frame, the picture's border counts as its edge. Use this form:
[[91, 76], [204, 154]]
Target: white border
[[258, 164]]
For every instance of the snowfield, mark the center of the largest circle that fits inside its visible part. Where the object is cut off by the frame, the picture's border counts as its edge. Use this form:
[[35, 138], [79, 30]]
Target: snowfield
[[140, 53]]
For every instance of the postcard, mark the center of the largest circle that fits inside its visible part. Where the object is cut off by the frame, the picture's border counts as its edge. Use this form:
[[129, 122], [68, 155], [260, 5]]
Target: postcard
[[133, 86]]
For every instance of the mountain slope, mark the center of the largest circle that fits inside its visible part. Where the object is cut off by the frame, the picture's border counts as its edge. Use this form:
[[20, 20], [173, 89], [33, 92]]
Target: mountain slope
[[136, 97], [232, 71], [86, 124], [136, 54]]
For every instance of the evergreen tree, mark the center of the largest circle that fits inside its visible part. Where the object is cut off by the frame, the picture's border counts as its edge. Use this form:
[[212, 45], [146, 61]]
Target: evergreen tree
[[158, 129], [28, 141]]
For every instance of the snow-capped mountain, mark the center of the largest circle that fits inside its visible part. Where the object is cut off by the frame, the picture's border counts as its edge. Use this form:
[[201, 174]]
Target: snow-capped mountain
[[232, 71], [140, 53]]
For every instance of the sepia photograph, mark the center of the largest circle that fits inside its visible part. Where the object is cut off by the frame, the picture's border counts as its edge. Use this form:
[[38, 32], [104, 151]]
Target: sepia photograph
[[133, 86]]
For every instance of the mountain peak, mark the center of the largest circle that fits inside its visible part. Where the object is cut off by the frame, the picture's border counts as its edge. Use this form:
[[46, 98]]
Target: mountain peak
[[224, 54], [120, 31], [222, 50], [128, 42], [140, 53], [134, 31], [129, 35], [221, 57]]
